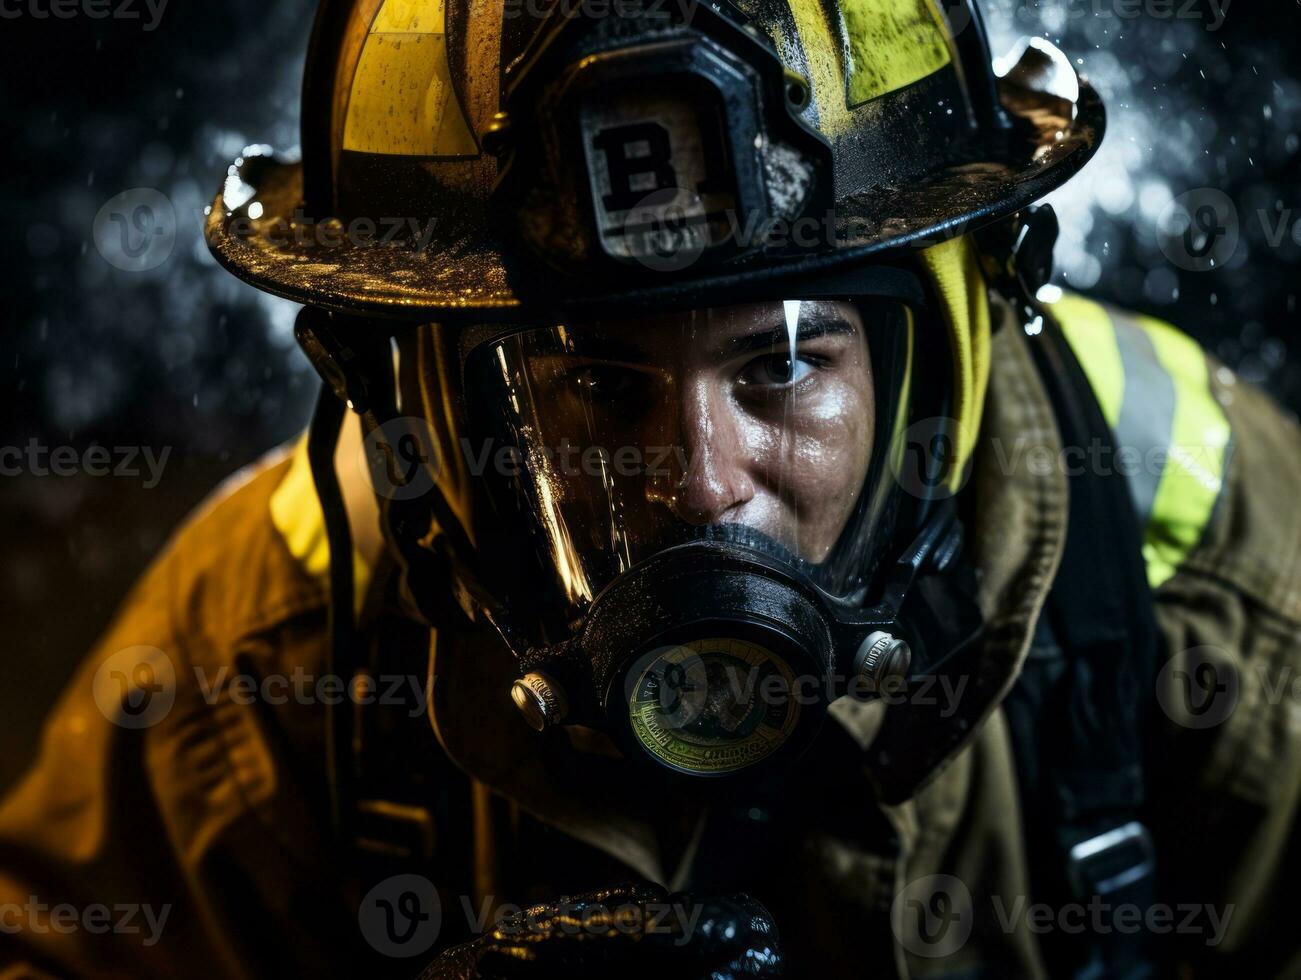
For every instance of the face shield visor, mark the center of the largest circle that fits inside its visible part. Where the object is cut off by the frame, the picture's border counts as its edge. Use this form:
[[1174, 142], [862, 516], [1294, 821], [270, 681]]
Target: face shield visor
[[766, 426]]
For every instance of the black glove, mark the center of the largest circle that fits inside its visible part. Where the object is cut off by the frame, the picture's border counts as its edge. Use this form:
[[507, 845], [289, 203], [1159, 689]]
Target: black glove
[[629, 931]]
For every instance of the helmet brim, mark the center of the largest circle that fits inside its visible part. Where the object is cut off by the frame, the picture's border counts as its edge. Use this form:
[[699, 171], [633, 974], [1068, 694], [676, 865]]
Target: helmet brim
[[474, 275]]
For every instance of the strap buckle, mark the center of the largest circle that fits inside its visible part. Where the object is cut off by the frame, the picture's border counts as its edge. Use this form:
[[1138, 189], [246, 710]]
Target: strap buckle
[[1112, 861]]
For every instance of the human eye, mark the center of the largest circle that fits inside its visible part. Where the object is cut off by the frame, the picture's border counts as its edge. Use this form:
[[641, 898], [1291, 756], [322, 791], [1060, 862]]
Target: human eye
[[606, 382], [777, 371]]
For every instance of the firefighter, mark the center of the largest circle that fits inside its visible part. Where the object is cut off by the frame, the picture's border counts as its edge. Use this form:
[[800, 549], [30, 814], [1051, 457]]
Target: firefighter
[[712, 553]]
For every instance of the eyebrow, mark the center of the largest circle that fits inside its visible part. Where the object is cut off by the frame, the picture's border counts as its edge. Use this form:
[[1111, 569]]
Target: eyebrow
[[779, 337], [815, 322]]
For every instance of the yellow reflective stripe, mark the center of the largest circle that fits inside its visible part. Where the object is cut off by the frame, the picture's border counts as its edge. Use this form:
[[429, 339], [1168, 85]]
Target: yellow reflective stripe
[[296, 514], [1194, 469], [401, 99], [892, 44], [1171, 411], [954, 271], [1092, 337], [822, 51], [880, 46]]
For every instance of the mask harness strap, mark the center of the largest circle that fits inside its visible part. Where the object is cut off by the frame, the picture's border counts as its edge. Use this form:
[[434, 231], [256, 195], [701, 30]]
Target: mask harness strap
[[1079, 713], [322, 440], [374, 808]]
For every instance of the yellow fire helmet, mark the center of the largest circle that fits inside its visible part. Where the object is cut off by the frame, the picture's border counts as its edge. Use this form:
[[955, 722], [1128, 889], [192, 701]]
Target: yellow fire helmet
[[471, 159]]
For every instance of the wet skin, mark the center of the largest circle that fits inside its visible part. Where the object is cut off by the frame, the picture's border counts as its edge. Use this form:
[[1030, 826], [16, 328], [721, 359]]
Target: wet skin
[[776, 442]]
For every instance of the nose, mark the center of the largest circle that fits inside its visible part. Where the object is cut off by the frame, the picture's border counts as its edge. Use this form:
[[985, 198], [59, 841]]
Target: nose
[[710, 478]]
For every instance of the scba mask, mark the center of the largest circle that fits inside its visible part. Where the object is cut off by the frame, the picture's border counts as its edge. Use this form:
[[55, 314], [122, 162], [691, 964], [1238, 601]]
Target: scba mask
[[694, 523]]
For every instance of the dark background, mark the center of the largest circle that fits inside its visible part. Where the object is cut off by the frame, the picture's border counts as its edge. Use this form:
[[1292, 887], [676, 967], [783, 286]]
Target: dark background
[[182, 357]]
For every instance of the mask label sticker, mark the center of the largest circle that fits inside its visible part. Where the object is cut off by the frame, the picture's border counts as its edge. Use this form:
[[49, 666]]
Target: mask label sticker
[[713, 706]]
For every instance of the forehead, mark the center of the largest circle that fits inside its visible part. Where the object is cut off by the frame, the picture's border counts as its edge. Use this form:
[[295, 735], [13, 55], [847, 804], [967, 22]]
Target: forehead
[[736, 316], [711, 331], [713, 327]]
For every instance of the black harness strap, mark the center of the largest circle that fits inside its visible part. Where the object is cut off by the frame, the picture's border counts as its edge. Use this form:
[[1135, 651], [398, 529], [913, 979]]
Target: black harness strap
[[322, 439], [1079, 714]]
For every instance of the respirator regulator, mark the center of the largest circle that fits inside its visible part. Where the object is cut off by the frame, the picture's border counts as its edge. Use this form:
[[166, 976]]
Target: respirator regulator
[[710, 660]]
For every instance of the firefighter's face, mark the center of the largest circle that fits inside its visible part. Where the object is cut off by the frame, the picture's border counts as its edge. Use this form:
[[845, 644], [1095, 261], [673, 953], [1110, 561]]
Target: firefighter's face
[[767, 410]]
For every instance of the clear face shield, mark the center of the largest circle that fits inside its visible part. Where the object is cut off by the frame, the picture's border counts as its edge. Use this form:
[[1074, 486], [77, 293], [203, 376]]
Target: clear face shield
[[767, 426], [698, 528]]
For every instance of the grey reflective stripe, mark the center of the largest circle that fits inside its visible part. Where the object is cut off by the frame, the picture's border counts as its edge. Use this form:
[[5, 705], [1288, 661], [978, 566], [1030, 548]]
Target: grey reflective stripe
[[1147, 412], [1172, 436]]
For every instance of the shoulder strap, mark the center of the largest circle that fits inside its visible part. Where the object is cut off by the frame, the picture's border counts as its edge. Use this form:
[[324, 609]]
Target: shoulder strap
[[1079, 712]]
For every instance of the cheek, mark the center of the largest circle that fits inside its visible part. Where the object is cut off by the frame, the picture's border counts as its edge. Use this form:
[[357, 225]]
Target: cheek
[[819, 451]]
